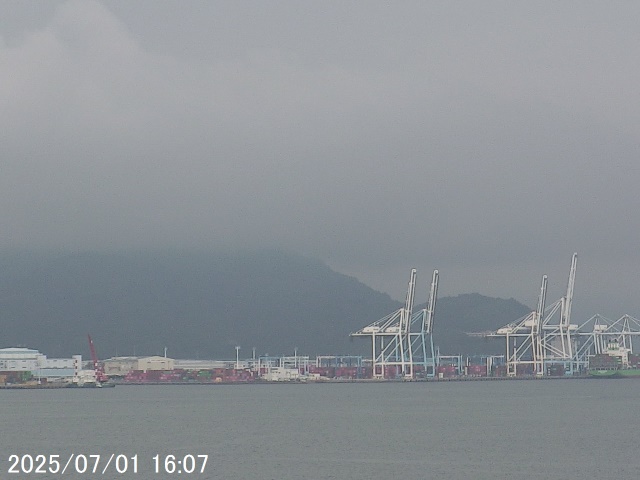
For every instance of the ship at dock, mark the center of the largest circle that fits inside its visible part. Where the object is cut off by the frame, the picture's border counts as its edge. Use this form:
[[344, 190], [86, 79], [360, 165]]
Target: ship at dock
[[616, 362]]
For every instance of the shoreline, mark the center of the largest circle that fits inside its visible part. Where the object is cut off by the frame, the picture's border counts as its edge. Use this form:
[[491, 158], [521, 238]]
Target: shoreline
[[307, 382]]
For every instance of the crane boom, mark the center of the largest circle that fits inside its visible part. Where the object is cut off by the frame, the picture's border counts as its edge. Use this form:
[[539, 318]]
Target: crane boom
[[100, 375], [566, 311], [431, 304], [541, 302], [408, 305]]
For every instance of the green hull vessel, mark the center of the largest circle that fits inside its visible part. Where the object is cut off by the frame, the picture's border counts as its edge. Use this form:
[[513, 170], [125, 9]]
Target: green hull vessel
[[616, 373]]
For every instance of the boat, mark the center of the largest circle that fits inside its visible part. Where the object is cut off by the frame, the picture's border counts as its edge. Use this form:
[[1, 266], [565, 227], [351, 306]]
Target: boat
[[616, 362], [613, 373], [91, 385], [105, 385]]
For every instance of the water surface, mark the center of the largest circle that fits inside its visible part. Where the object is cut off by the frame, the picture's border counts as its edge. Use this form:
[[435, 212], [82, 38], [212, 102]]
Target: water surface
[[569, 430]]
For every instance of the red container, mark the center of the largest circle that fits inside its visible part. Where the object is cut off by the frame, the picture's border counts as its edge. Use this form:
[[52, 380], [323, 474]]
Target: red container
[[390, 371], [135, 376], [446, 371], [524, 370], [500, 371], [328, 372], [154, 375], [476, 370]]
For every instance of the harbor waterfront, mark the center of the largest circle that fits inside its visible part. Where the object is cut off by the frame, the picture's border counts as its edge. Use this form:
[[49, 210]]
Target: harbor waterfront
[[542, 343], [54, 386], [357, 431], [616, 362]]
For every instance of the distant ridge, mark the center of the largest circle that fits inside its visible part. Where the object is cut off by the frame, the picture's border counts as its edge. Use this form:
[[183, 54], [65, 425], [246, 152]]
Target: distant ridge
[[201, 305], [472, 312]]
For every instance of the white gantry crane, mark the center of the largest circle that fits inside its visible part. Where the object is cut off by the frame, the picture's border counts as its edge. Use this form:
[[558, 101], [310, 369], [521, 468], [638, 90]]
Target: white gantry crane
[[422, 340], [403, 339], [597, 333], [537, 340], [525, 339], [546, 337]]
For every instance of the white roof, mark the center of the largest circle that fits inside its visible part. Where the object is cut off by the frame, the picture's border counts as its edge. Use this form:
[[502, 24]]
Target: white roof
[[19, 350]]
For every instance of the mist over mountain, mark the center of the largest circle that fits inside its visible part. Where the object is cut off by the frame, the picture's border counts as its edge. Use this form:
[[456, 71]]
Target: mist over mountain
[[201, 305], [472, 312]]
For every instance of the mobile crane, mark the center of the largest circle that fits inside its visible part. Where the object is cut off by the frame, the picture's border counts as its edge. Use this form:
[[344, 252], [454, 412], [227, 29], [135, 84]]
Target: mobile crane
[[101, 377]]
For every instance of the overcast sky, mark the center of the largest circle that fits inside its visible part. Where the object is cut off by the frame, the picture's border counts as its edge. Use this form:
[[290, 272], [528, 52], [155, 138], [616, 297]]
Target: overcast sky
[[489, 140]]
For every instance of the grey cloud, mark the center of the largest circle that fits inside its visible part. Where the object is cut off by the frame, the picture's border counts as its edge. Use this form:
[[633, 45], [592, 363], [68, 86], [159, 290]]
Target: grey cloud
[[490, 141]]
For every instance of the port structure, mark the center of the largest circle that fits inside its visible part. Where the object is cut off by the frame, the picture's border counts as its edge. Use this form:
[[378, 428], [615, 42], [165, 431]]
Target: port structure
[[598, 332], [403, 340], [546, 337], [97, 367]]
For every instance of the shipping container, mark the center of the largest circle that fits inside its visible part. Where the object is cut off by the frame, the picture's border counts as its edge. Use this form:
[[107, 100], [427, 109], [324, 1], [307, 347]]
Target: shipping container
[[446, 371], [556, 370], [391, 372], [499, 371], [476, 370], [524, 370]]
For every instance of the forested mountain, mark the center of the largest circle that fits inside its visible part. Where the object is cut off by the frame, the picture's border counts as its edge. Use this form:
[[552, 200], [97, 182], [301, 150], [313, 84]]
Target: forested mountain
[[203, 305]]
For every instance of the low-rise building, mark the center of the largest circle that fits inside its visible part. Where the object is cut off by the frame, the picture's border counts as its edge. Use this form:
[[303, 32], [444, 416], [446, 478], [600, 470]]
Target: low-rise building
[[19, 359], [120, 366], [188, 364], [282, 374], [155, 363]]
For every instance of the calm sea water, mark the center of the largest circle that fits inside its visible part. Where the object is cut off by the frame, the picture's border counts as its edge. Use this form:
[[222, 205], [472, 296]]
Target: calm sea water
[[574, 429]]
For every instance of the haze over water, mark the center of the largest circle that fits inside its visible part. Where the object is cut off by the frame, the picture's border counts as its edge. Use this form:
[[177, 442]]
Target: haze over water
[[567, 430]]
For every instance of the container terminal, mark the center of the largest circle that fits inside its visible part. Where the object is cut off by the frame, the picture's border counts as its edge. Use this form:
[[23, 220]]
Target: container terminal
[[542, 344]]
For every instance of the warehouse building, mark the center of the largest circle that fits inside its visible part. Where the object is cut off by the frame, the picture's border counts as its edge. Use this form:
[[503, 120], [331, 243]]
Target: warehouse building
[[155, 363], [20, 359], [17, 359], [121, 366]]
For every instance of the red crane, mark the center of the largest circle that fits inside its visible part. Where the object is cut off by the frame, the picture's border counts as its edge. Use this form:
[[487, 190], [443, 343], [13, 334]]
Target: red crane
[[100, 375]]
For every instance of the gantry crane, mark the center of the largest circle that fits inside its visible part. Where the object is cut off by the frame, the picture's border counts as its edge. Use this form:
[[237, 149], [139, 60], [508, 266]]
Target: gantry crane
[[535, 341], [403, 340]]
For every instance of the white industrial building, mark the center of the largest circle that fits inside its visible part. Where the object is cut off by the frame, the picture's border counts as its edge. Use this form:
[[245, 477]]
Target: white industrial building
[[16, 359], [19, 359], [121, 366], [282, 374], [188, 364]]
